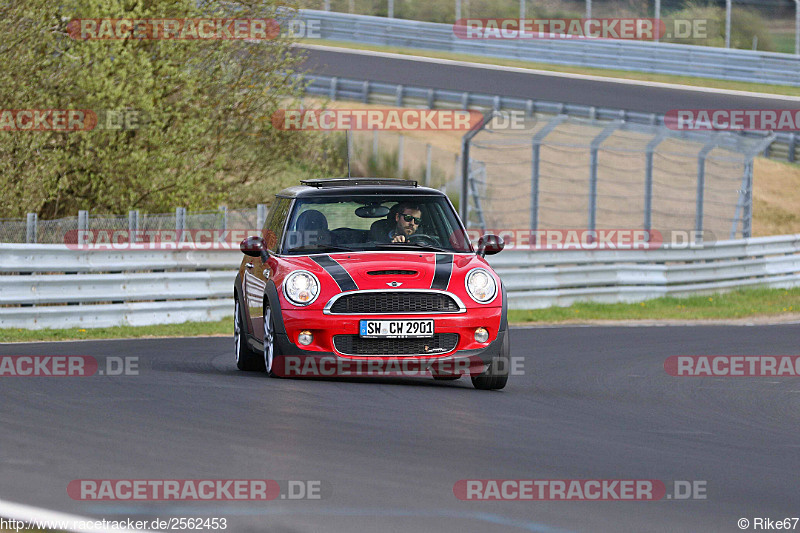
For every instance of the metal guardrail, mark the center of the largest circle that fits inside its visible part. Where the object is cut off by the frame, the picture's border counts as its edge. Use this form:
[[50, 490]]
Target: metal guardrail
[[52, 286], [785, 146], [639, 56], [544, 278]]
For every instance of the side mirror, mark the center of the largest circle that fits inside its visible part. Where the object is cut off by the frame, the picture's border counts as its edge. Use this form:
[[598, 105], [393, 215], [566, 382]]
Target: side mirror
[[254, 247], [490, 244]]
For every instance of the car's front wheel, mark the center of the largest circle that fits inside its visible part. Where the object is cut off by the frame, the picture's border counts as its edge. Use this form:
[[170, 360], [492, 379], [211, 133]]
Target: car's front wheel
[[246, 358], [272, 356], [496, 374]]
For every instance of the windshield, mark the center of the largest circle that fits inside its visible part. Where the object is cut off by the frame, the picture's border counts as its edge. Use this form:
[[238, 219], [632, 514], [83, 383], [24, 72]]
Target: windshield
[[373, 222]]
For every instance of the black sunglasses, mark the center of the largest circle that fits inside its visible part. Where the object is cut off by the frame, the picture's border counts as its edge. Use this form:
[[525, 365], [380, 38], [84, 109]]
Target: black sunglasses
[[409, 218]]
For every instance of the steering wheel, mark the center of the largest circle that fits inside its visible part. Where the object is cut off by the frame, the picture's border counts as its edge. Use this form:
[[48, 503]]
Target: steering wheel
[[425, 240]]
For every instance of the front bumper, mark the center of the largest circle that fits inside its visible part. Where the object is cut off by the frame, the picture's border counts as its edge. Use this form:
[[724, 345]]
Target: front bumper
[[297, 362]]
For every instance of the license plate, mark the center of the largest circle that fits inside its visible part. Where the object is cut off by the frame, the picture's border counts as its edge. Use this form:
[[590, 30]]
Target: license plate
[[396, 329]]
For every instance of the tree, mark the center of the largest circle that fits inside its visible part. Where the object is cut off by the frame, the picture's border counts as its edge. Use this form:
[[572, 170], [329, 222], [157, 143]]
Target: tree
[[202, 133]]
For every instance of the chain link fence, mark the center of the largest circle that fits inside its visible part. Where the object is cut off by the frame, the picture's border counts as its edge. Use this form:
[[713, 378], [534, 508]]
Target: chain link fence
[[62, 230], [561, 172]]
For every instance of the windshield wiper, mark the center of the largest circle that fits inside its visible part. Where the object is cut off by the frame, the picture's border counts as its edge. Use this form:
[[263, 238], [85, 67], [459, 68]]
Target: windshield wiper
[[320, 248], [412, 245]]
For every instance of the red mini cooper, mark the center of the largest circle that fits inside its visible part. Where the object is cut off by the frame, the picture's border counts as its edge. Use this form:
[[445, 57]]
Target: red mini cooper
[[370, 277]]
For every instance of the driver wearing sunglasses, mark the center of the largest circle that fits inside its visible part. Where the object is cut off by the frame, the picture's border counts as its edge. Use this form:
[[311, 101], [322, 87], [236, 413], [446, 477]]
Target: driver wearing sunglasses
[[407, 221]]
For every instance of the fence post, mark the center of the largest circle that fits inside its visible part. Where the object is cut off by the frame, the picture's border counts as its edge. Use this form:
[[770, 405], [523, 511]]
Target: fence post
[[261, 216], [747, 220], [400, 146], [648, 180], [31, 228], [701, 185], [224, 211], [428, 165], [83, 226], [133, 226], [399, 96], [535, 148], [595, 147], [180, 222]]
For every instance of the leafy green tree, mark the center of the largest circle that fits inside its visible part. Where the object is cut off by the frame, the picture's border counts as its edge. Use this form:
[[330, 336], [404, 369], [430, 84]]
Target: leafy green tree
[[202, 133]]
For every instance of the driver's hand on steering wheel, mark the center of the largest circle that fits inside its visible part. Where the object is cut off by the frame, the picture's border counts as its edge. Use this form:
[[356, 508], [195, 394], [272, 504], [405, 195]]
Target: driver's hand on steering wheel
[[399, 238]]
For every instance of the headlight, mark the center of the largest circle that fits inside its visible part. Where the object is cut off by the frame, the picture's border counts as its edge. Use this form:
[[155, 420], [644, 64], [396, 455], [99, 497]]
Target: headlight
[[301, 287], [481, 285]]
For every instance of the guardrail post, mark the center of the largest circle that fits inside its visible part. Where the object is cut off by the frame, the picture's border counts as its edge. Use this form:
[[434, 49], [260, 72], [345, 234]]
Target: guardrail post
[[334, 83], [464, 100], [648, 180], [431, 93], [496, 103], [428, 165], [529, 108], [458, 9], [792, 144], [595, 147], [327, 5], [31, 228], [391, 9], [366, 92], [261, 216], [399, 96]]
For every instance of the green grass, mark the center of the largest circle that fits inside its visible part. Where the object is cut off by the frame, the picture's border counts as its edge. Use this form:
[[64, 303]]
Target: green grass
[[187, 329], [643, 76], [738, 304], [747, 303]]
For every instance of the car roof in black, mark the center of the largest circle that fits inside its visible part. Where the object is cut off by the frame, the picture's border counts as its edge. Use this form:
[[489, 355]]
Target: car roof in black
[[358, 187]]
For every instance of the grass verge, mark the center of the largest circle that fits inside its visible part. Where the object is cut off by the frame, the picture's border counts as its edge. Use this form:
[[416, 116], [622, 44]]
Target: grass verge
[[187, 329], [609, 73], [756, 304], [745, 303]]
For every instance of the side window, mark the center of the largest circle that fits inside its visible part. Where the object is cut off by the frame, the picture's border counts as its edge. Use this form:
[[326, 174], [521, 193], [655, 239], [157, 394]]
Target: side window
[[273, 228]]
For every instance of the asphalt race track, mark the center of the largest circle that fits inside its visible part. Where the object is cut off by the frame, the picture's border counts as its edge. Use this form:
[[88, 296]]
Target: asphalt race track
[[614, 94], [593, 403]]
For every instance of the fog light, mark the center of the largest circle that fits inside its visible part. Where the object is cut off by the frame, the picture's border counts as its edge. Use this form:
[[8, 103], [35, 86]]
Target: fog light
[[305, 338], [481, 335]]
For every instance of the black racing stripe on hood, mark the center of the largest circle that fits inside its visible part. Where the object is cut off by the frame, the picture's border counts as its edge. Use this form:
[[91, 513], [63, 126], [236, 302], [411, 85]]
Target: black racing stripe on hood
[[337, 272], [444, 269]]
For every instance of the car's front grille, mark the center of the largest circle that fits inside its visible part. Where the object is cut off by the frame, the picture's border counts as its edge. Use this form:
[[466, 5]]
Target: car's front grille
[[440, 343], [392, 273], [395, 302]]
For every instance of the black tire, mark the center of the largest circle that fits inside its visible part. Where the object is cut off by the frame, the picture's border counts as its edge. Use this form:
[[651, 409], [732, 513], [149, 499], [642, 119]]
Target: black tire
[[269, 364], [495, 376], [246, 358]]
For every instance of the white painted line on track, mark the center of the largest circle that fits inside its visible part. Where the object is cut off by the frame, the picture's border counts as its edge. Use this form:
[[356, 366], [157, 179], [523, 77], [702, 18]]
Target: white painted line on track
[[29, 514], [605, 79]]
